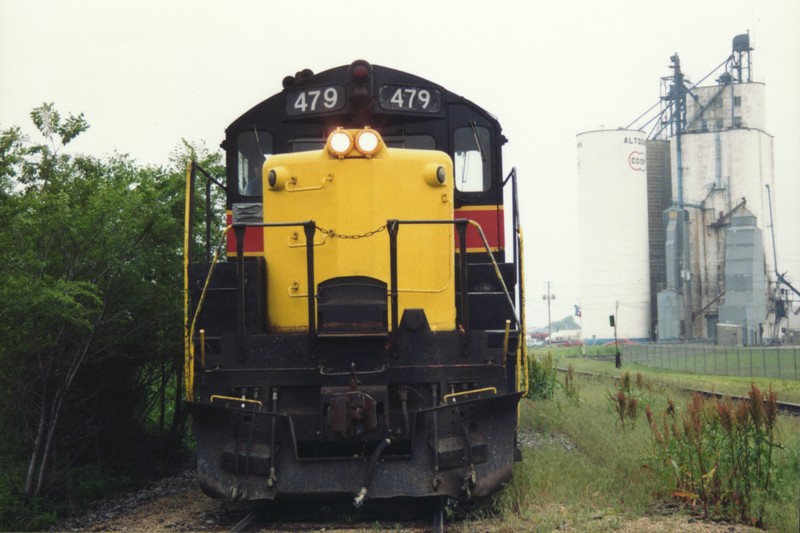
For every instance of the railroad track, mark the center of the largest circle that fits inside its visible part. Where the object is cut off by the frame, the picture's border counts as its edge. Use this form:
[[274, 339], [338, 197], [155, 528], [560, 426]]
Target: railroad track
[[785, 408], [417, 516]]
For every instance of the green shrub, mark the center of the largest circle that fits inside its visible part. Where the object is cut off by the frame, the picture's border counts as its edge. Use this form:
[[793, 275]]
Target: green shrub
[[543, 377], [22, 513]]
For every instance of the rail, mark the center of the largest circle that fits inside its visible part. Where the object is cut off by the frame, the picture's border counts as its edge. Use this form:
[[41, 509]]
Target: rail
[[523, 379], [239, 230], [393, 227], [189, 327], [243, 401], [192, 168], [455, 395], [309, 227]]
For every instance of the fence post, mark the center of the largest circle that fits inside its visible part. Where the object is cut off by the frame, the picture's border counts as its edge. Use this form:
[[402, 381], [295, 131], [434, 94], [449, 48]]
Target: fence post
[[751, 361], [705, 363]]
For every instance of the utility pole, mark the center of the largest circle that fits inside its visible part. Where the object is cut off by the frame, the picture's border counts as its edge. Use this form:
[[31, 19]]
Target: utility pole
[[549, 296]]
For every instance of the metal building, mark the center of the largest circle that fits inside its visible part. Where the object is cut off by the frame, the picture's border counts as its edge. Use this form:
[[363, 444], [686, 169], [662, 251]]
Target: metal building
[[659, 198], [726, 166]]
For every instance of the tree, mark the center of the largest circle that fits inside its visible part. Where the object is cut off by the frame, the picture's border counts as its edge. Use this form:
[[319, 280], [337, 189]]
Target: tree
[[90, 300], [568, 322]]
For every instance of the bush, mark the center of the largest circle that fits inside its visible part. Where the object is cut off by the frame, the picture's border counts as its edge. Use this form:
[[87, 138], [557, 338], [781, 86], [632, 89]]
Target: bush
[[22, 513], [543, 377]]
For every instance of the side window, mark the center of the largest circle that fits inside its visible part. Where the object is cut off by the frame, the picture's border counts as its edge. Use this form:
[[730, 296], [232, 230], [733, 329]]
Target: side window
[[472, 159], [254, 147]]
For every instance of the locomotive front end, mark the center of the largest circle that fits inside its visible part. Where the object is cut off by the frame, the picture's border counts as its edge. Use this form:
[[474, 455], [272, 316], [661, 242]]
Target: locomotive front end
[[361, 338]]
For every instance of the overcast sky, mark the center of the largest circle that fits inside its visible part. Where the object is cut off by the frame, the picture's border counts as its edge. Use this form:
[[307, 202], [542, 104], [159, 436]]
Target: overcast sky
[[148, 73]]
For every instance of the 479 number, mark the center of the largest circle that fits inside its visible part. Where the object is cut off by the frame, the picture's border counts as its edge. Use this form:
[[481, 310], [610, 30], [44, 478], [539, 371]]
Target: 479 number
[[411, 98], [316, 100]]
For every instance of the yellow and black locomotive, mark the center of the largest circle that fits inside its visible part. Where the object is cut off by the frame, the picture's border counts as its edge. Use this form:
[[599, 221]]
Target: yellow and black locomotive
[[360, 337]]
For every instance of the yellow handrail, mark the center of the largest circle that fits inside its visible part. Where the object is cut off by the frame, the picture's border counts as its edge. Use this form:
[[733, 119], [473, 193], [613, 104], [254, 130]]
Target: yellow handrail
[[522, 343], [235, 399], [522, 346], [505, 341], [188, 369], [186, 236], [466, 392]]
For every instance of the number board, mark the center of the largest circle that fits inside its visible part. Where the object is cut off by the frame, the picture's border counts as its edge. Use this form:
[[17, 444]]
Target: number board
[[410, 99], [315, 100]]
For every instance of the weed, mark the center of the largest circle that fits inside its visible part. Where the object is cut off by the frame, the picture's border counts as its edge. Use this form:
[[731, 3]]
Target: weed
[[720, 454], [570, 388], [542, 374], [624, 401]]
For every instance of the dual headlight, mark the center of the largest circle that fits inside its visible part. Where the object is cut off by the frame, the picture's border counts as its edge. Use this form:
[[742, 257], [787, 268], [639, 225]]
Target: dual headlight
[[342, 142]]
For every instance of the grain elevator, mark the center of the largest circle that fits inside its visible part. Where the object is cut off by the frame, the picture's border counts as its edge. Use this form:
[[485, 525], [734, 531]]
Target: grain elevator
[[689, 248]]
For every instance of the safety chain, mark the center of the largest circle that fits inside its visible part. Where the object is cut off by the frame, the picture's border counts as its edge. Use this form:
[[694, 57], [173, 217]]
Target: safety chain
[[332, 233]]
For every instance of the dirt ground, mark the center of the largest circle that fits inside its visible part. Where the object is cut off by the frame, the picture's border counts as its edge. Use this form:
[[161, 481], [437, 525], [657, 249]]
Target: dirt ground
[[188, 509]]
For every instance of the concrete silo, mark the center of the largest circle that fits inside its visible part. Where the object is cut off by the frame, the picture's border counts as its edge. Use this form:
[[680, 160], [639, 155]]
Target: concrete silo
[[613, 243], [726, 166]]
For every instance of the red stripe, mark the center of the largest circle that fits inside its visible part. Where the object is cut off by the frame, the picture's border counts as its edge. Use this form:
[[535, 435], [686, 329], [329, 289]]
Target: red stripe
[[253, 240], [490, 220]]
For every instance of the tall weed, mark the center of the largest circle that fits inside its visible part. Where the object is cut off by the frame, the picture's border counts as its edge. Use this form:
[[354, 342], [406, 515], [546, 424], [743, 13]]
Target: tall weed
[[543, 377], [624, 401], [719, 455]]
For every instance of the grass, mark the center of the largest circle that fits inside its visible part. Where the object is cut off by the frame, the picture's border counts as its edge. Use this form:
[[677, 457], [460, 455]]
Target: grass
[[788, 390], [752, 361], [586, 473]]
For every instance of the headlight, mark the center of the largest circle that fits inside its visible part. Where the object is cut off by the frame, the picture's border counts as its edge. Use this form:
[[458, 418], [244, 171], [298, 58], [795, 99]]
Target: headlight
[[368, 142], [340, 143]]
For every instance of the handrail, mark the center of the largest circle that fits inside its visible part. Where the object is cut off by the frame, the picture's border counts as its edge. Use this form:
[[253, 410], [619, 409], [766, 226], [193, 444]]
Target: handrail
[[243, 401], [522, 344], [189, 355], [485, 245], [497, 271], [467, 392], [187, 234], [191, 168], [189, 327], [523, 381]]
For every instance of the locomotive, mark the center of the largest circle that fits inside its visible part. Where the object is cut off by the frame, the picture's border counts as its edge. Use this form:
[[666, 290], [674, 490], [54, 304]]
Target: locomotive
[[357, 333]]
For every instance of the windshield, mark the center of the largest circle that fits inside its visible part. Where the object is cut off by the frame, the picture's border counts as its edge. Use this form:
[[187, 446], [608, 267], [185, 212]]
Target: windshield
[[254, 147], [472, 159]]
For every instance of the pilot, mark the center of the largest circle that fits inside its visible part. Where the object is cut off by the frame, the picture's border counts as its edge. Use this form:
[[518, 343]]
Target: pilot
[[254, 186]]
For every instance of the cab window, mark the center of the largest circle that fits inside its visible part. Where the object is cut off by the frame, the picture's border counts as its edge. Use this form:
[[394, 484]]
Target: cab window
[[254, 147], [472, 159]]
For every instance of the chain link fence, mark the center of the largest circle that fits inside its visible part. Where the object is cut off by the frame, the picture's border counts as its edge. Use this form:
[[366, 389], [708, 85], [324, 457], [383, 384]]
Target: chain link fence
[[781, 362]]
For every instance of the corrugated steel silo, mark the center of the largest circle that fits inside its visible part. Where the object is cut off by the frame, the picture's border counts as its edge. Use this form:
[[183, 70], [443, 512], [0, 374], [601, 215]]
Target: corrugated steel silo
[[659, 198]]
